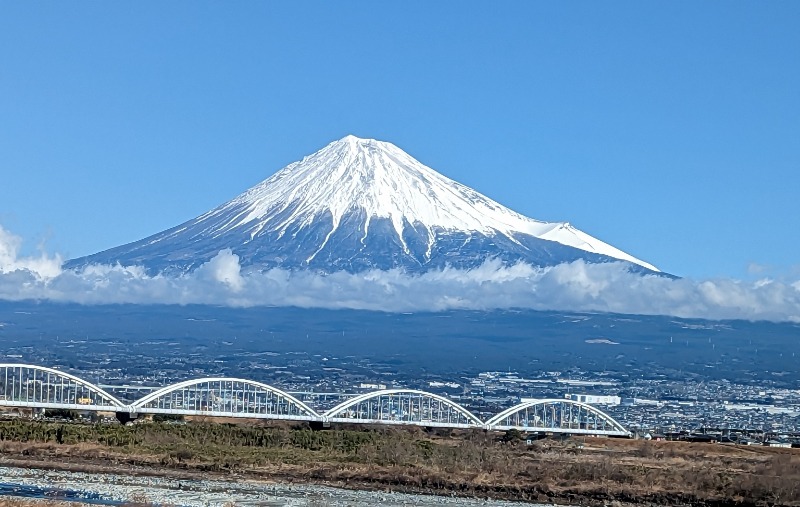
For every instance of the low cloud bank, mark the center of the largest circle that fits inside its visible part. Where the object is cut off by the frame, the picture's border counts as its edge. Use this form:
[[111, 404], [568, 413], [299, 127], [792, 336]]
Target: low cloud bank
[[577, 286]]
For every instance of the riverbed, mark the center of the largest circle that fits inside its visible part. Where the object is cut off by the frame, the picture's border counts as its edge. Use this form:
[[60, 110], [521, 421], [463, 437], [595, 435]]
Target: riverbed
[[113, 489]]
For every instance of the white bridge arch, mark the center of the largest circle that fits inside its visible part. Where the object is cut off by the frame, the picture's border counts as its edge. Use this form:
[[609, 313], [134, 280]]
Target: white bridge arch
[[225, 397], [31, 386], [557, 415], [403, 406]]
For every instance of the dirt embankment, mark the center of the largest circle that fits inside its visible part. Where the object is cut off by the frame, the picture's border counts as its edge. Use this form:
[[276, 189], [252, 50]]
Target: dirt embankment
[[582, 471]]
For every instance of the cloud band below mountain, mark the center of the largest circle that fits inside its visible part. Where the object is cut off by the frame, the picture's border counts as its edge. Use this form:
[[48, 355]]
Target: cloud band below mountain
[[576, 286]]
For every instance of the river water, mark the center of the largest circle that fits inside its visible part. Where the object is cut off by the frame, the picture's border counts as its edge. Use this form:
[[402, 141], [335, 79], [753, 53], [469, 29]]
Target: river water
[[114, 489]]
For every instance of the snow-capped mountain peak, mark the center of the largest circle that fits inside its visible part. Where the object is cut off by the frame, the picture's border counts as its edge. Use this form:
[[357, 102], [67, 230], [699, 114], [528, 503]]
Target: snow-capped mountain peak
[[359, 204], [383, 181]]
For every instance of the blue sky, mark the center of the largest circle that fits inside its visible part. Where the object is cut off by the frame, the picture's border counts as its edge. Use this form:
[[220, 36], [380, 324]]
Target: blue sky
[[668, 129]]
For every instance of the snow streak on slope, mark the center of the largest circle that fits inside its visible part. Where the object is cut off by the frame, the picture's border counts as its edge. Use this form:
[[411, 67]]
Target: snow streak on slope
[[378, 180]]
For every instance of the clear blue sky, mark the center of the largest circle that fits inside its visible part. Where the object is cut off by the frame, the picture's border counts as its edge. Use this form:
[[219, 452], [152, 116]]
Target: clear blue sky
[[668, 129]]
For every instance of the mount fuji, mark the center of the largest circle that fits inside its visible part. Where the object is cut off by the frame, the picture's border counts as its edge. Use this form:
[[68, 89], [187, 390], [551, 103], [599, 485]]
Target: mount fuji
[[361, 204]]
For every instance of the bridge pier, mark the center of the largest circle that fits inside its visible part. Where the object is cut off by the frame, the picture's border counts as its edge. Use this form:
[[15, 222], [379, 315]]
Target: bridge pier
[[320, 425], [126, 417]]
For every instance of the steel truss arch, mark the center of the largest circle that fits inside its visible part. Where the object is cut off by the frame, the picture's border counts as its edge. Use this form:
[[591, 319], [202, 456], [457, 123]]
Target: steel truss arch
[[225, 396], [571, 417], [76, 393], [410, 407]]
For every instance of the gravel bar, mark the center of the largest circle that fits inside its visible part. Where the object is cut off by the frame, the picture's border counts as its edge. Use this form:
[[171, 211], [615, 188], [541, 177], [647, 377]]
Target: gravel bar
[[191, 493]]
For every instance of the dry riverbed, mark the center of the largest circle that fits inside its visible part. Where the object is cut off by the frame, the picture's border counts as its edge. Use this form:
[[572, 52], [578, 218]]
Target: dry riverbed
[[203, 492]]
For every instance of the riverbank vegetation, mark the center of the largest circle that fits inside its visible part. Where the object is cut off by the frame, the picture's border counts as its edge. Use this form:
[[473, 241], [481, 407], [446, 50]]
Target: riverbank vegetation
[[585, 471]]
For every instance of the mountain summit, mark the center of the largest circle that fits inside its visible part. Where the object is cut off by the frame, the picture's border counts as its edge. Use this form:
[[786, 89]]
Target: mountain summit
[[360, 204]]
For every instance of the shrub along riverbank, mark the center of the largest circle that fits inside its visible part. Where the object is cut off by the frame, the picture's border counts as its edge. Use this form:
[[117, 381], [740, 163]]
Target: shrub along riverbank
[[583, 471]]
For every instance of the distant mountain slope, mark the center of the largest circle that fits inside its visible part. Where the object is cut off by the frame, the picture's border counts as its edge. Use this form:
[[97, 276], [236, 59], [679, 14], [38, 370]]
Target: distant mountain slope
[[359, 204]]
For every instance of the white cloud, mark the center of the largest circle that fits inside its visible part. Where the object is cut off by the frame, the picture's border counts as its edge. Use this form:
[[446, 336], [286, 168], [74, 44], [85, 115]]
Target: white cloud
[[43, 267], [577, 286], [224, 268]]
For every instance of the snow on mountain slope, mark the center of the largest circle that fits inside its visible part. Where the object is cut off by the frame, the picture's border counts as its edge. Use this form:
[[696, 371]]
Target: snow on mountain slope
[[357, 204]]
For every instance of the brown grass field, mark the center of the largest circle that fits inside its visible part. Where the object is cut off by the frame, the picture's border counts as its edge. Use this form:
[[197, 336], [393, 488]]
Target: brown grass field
[[579, 471]]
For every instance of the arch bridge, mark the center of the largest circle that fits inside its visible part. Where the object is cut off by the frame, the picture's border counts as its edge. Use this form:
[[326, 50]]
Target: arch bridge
[[225, 397], [403, 406], [30, 386], [558, 416]]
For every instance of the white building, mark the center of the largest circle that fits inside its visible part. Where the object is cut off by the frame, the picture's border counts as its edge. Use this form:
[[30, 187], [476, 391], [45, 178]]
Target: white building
[[594, 399]]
